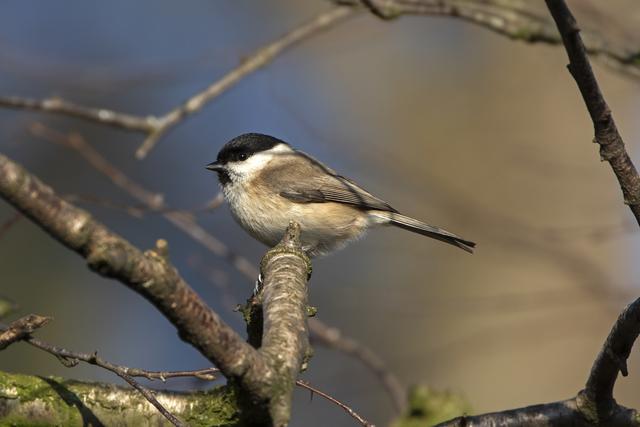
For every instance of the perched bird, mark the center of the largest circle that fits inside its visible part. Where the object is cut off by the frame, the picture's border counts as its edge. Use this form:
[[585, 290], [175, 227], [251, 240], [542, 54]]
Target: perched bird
[[267, 183]]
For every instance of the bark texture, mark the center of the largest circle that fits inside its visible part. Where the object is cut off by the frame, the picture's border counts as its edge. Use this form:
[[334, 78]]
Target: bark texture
[[27, 400]]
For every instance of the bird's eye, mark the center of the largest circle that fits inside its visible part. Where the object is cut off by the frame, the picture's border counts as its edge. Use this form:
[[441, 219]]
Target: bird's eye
[[242, 157]]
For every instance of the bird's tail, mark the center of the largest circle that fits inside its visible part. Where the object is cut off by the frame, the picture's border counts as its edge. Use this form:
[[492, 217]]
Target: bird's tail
[[420, 227]]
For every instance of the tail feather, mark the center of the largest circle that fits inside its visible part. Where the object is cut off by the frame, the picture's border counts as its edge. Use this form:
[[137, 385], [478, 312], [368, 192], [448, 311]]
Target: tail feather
[[420, 227]]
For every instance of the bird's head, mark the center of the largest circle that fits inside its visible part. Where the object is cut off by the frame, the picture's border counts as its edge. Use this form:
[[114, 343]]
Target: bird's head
[[246, 155]]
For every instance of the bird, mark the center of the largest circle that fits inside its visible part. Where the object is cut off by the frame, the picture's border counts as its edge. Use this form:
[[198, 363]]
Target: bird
[[267, 183]]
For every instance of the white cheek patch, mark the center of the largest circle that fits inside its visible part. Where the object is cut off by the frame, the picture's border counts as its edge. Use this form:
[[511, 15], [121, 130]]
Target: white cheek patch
[[248, 168]]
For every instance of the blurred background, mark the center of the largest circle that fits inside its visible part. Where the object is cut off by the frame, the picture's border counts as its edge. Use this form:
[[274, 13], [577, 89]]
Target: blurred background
[[447, 121]]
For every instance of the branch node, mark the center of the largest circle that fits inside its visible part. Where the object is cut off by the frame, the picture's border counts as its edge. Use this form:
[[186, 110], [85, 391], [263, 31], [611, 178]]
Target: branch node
[[162, 248], [619, 361]]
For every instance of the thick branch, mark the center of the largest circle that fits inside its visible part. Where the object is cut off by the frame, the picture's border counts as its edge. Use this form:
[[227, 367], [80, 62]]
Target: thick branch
[[569, 413], [613, 359], [29, 400], [148, 274], [285, 340], [593, 406]]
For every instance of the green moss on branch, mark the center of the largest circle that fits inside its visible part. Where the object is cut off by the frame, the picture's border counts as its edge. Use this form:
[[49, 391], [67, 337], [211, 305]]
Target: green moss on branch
[[27, 400]]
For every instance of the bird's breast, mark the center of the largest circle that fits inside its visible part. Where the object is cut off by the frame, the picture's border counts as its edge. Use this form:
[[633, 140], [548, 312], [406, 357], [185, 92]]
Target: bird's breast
[[265, 215]]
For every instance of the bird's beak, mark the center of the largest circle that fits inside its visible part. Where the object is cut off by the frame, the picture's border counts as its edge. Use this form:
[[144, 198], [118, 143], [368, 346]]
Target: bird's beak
[[215, 166]]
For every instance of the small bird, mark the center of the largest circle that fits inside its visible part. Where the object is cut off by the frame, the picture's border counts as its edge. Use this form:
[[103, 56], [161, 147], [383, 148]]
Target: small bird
[[267, 183]]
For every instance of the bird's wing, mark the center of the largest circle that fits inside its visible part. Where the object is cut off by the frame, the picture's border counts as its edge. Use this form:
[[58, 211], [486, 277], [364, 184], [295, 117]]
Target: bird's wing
[[322, 185]]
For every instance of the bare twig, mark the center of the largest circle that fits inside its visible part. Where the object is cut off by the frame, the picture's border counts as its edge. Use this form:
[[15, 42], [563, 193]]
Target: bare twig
[[153, 201], [8, 224], [21, 328], [510, 19], [321, 333], [344, 406], [333, 338], [259, 59], [101, 115], [157, 126], [138, 211]]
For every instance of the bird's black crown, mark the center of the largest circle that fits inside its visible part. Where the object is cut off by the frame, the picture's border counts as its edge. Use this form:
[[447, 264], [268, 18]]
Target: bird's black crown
[[244, 146]]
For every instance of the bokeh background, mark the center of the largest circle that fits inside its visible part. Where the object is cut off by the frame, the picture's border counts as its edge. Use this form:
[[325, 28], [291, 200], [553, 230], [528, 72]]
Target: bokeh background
[[447, 121]]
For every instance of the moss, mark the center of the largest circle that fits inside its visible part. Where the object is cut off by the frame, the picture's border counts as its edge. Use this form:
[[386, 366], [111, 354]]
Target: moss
[[32, 401], [428, 407]]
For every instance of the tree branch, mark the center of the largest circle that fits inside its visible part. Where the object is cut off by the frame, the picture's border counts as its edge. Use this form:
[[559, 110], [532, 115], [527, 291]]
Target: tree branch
[[285, 340], [606, 133], [595, 404], [259, 59], [157, 126], [21, 328], [267, 375], [30, 400], [510, 19], [148, 274]]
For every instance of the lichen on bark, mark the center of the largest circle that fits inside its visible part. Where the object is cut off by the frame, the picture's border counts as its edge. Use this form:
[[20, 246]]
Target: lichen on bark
[[27, 400]]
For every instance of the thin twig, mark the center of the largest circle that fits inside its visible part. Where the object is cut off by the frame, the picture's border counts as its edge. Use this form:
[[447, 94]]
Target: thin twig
[[101, 115], [153, 201], [332, 399], [8, 224], [157, 126], [138, 211], [257, 60], [333, 338], [509, 19], [21, 328]]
